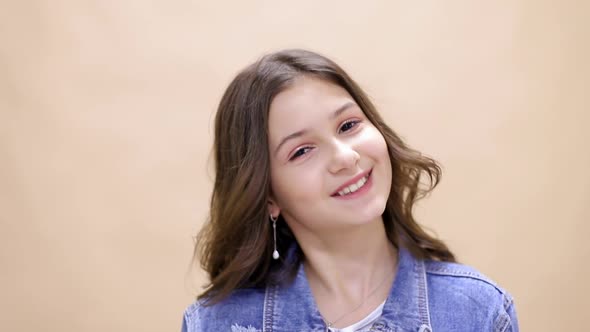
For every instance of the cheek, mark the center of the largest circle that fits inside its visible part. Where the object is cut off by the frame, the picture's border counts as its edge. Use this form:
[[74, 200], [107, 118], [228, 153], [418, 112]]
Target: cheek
[[373, 144], [295, 187]]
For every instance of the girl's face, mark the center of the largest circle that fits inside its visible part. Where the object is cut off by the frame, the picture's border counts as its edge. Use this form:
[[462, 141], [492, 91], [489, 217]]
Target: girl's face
[[329, 164]]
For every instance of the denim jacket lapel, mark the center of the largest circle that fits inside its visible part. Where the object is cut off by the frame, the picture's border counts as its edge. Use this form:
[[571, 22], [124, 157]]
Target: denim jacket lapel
[[406, 307]]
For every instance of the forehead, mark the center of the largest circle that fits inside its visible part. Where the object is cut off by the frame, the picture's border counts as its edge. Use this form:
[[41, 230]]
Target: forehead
[[308, 98], [308, 91]]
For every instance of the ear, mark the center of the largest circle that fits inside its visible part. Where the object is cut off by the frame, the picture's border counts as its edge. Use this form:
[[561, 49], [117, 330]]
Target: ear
[[273, 207]]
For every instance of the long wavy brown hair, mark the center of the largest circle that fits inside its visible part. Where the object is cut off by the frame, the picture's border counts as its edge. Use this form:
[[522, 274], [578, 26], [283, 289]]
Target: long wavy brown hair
[[236, 243]]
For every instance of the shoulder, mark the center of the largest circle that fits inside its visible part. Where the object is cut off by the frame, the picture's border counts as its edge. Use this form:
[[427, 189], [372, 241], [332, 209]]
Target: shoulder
[[460, 291], [454, 274], [242, 310]]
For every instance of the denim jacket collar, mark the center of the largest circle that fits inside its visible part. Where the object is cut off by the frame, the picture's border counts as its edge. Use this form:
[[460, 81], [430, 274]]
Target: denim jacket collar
[[406, 307]]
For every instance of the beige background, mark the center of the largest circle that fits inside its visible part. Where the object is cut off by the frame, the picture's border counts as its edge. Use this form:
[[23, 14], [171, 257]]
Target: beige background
[[105, 134]]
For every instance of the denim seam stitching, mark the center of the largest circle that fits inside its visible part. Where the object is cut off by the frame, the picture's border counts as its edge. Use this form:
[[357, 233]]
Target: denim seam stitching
[[268, 310], [502, 322], [455, 273], [423, 295]]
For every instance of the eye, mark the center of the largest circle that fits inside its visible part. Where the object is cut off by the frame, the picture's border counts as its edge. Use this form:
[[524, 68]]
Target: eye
[[348, 125], [300, 152]]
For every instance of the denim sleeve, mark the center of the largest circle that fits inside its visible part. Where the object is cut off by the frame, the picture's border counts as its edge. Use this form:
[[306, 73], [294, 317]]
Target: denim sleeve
[[184, 328], [190, 320], [513, 319], [506, 320]]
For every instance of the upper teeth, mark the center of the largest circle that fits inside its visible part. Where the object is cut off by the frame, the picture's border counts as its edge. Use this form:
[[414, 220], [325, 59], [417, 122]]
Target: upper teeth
[[354, 187]]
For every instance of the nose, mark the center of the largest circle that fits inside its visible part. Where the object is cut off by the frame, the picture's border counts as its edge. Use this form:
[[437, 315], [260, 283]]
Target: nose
[[343, 156]]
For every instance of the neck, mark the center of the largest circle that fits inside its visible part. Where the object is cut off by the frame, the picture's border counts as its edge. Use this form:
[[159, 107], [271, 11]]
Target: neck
[[350, 264]]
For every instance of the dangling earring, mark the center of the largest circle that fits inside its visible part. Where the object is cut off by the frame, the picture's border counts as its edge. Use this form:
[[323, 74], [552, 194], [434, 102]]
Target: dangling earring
[[275, 254]]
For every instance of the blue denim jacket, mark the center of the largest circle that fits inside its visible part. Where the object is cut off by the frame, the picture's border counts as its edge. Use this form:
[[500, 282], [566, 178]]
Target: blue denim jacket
[[425, 296]]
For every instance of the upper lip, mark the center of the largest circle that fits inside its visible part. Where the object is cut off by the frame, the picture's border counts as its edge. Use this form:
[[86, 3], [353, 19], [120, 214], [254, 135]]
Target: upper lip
[[352, 181]]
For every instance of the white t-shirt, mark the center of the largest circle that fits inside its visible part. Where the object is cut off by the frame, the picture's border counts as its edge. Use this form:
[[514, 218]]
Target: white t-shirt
[[364, 325]]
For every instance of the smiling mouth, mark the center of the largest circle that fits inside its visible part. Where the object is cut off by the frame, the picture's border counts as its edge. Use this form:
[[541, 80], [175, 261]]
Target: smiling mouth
[[354, 187]]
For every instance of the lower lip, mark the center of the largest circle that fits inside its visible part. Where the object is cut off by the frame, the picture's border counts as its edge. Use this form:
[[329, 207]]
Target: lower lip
[[359, 192]]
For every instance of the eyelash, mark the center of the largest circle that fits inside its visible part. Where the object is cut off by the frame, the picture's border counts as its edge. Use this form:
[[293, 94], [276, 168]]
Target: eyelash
[[297, 155]]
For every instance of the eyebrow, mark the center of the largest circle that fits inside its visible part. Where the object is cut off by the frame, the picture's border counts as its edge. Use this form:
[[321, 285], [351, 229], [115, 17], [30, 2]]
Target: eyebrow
[[302, 132]]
